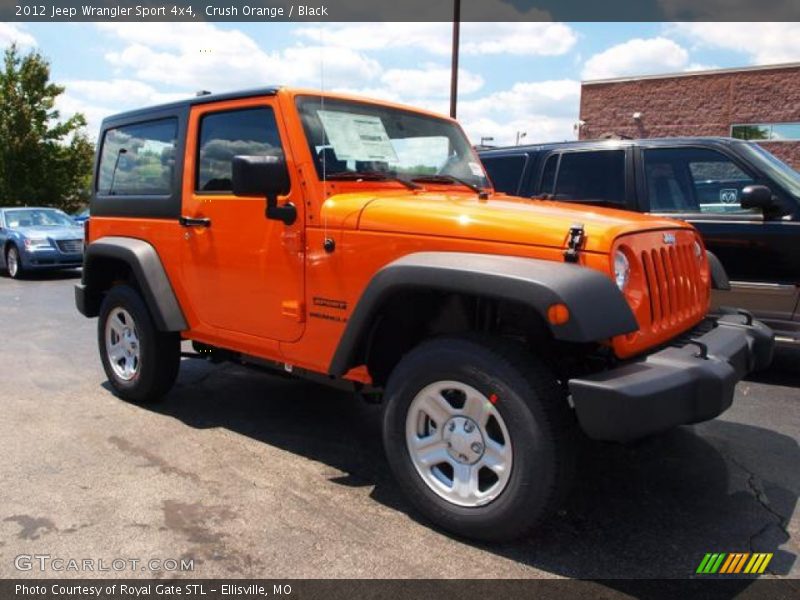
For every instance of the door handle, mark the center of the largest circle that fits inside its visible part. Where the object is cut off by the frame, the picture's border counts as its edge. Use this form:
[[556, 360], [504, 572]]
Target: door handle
[[195, 221]]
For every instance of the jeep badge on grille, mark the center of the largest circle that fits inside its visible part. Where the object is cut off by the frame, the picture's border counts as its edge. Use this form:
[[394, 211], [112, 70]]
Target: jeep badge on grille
[[669, 239]]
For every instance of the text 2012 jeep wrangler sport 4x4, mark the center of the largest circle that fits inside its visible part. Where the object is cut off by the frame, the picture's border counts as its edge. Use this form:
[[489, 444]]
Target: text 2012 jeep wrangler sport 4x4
[[494, 327]]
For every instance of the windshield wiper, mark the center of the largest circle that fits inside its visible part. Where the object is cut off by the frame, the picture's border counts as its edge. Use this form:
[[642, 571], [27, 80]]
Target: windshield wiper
[[450, 179], [372, 176]]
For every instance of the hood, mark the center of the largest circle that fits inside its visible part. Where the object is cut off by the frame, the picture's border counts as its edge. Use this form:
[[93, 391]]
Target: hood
[[499, 218], [53, 233]]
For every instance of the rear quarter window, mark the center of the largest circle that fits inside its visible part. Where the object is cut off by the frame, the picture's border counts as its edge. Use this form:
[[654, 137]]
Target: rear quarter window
[[138, 159]]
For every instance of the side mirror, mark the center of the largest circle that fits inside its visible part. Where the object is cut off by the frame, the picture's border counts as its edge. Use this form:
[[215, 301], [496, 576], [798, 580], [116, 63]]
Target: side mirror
[[264, 176], [757, 196]]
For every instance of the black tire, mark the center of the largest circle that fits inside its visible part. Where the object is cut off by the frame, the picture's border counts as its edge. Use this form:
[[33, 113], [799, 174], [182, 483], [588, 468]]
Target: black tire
[[535, 411], [20, 271], [159, 352]]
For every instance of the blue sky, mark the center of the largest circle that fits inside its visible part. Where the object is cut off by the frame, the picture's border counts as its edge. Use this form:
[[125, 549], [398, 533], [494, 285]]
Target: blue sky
[[514, 76]]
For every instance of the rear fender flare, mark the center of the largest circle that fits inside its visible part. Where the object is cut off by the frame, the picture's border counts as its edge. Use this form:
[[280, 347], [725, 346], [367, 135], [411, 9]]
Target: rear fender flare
[[148, 271]]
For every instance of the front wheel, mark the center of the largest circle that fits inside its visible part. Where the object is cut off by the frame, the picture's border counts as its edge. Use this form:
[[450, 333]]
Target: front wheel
[[479, 436], [14, 263], [141, 363]]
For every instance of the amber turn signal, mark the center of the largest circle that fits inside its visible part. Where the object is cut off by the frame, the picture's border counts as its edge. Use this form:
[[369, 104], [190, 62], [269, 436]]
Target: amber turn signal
[[558, 314]]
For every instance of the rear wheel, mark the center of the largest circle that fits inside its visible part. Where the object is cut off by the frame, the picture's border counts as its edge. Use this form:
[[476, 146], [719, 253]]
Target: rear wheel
[[141, 363], [479, 435], [14, 263]]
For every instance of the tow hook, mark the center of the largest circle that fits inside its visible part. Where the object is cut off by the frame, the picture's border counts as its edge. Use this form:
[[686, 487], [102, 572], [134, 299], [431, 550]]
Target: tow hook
[[703, 349], [575, 239]]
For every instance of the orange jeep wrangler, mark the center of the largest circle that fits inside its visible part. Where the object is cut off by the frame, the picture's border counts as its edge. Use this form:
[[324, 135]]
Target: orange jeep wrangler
[[360, 243]]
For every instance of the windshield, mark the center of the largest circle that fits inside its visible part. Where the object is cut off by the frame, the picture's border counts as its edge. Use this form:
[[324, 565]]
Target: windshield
[[775, 168], [38, 217], [354, 137]]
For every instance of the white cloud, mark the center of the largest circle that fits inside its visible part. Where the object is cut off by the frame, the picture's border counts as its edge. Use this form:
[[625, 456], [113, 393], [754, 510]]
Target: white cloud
[[637, 57], [99, 99], [700, 67], [557, 97], [540, 39], [150, 58], [490, 38], [202, 56], [764, 43], [545, 110], [429, 82], [538, 129], [11, 33], [115, 92]]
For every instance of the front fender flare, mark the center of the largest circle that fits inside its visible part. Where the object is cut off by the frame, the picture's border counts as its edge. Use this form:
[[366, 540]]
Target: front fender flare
[[598, 310]]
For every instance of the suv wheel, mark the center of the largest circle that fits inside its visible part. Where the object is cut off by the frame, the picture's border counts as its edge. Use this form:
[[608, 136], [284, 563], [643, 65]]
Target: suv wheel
[[141, 363], [479, 435], [14, 263]]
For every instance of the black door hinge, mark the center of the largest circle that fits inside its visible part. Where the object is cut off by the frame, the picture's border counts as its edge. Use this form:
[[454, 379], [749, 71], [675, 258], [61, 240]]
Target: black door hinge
[[574, 241]]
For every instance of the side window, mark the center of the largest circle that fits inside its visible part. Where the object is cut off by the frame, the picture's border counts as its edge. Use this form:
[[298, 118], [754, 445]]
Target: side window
[[248, 132], [592, 177], [138, 159], [693, 180], [506, 172], [549, 175]]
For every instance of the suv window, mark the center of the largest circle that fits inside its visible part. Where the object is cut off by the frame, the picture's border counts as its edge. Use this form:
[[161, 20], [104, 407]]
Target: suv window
[[246, 132], [549, 174], [138, 159], [693, 180], [505, 171], [591, 176]]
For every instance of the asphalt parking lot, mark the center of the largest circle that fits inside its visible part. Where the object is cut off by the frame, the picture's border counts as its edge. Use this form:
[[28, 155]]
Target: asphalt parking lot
[[254, 475]]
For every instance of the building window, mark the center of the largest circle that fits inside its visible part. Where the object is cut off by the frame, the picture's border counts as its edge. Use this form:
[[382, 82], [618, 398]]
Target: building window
[[768, 132]]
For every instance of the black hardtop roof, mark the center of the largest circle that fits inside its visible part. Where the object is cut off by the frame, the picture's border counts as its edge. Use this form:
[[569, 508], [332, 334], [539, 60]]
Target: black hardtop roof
[[191, 101], [614, 143]]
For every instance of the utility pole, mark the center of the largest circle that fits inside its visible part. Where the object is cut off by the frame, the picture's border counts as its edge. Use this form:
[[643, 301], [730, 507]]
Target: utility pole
[[454, 66]]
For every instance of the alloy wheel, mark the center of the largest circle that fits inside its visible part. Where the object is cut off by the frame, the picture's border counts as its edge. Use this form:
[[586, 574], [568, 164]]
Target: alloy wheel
[[122, 344], [459, 443], [12, 260]]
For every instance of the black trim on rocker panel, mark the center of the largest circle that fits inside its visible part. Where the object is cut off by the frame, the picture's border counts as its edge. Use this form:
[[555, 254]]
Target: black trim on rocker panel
[[162, 206]]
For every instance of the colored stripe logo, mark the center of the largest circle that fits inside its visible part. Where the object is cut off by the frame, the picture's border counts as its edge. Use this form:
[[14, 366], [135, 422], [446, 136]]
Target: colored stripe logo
[[734, 563]]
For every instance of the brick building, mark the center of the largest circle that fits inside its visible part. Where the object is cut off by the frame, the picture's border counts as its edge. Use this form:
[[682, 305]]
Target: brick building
[[758, 103]]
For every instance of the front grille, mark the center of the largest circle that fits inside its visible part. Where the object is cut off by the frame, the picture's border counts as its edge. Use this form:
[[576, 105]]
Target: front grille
[[668, 290], [674, 289], [70, 246]]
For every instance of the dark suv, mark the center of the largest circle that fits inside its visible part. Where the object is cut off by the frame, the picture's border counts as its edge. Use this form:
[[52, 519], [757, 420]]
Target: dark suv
[[744, 201]]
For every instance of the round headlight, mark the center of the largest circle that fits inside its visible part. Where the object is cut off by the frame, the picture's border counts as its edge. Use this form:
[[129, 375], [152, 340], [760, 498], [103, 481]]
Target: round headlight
[[698, 250], [622, 269]]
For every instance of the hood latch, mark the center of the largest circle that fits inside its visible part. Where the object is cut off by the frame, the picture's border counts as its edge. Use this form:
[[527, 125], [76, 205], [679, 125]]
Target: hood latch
[[575, 239]]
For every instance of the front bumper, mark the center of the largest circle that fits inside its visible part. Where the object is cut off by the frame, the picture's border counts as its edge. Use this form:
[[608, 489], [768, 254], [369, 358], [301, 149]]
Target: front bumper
[[50, 259], [692, 381]]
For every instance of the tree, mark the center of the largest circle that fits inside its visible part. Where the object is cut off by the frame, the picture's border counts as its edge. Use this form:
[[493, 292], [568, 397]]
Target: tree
[[44, 160]]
